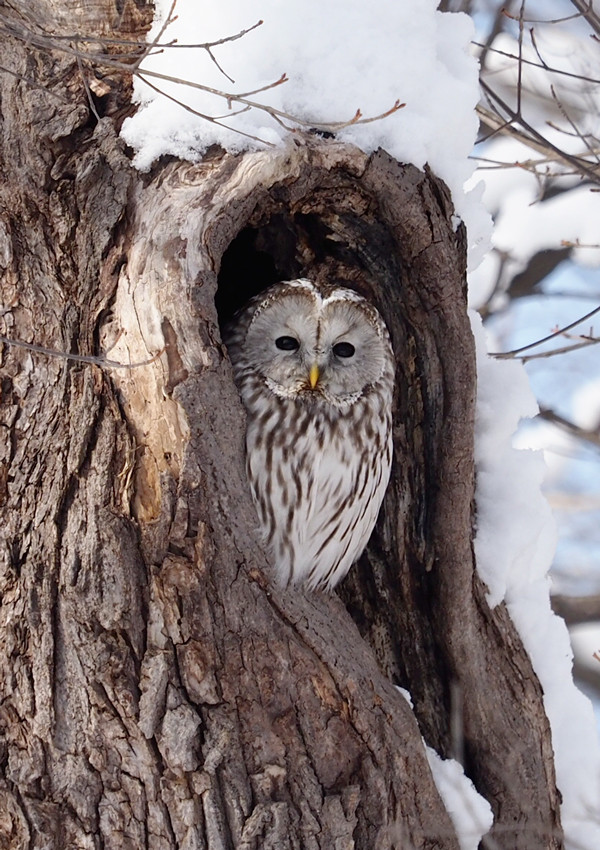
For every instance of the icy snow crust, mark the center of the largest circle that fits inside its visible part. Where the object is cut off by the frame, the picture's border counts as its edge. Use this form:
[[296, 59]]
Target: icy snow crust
[[344, 55]]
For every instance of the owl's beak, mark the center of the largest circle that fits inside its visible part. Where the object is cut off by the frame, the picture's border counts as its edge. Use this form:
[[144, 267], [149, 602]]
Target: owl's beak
[[313, 376]]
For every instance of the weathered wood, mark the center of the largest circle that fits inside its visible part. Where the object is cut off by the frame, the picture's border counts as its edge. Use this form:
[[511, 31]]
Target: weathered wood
[[157, 690]]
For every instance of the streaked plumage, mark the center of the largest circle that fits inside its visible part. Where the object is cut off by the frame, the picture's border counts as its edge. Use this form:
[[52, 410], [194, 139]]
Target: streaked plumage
[[315, 370]]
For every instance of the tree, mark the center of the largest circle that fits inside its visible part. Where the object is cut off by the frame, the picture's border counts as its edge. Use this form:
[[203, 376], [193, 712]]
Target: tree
[[158, 690]]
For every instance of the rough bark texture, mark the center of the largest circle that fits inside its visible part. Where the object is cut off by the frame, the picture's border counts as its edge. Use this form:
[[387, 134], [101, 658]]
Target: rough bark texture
[[156, 690]]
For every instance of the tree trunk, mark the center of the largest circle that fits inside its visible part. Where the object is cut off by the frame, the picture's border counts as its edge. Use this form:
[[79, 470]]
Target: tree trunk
[[158, 690]]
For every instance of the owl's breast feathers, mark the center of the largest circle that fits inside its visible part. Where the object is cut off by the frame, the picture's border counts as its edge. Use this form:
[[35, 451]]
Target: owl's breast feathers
[[318, 477]]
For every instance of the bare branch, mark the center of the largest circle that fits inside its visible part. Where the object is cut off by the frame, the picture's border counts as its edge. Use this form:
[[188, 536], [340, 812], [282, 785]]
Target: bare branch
[[578, 244], [589, 435], [540, 64], [586, 8], [520, 58], [219, 120], [505, 355], [150, 47], [495, 30], [79, 358], [565, 349], [88, 93], [571, 123], [535, 139], [50, 42], [142, 45]]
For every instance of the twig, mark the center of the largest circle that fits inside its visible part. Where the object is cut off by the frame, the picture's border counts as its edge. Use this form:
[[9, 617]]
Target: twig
[[577, 244], [565, 349], [589, 435], [212, 119], [580, 14], [167, 21], [505, 355], [32, 83], [142, 45], [544, 67], [79, 358], [494, 31], [87, 90], [586, 10], [581, 165], [520, 58], [46, 42], [572, 124]]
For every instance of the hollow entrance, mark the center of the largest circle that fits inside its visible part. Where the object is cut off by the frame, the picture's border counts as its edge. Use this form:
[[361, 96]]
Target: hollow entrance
[[255, 259], [285, 247]]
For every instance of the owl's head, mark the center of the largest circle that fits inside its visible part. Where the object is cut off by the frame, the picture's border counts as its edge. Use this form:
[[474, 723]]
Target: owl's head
[[315, 343]]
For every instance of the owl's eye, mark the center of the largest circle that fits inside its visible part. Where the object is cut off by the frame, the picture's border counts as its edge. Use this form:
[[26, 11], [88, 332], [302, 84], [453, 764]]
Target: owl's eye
[[287, 343], [343, 349]]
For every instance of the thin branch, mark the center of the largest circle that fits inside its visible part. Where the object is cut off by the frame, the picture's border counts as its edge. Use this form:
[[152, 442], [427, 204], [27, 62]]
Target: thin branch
[[79, 358], [586, 434], [544, 66], [575, 134], [220, 68], [219, 120], [577, 244], [46, 42], [270, 110], [500, 125], [586, 10], [504, 355], [571, 123], [566, 349], [537, 50], [88, 93], [152, 46], [588, 7], [495, 30], [33, 83], [581, 165], [530, 165], [520, 58], [142, 45]]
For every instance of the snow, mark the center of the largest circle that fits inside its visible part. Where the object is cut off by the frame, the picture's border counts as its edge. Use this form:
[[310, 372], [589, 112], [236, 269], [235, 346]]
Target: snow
[[516, 536], [344, 55], [339, 56], [470, 813], [514, 545]]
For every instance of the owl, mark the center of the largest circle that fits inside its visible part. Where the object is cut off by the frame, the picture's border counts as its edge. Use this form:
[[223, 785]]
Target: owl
[[315, 369]]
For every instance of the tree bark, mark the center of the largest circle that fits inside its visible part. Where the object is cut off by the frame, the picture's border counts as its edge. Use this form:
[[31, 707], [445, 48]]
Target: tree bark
[[157, 689]]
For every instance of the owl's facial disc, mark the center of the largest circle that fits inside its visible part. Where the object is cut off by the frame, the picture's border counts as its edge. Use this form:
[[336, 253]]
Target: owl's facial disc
[[317, 349]]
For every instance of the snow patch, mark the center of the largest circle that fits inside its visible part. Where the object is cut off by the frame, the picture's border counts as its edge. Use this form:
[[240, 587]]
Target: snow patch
[[470, 813], [338, 56]]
